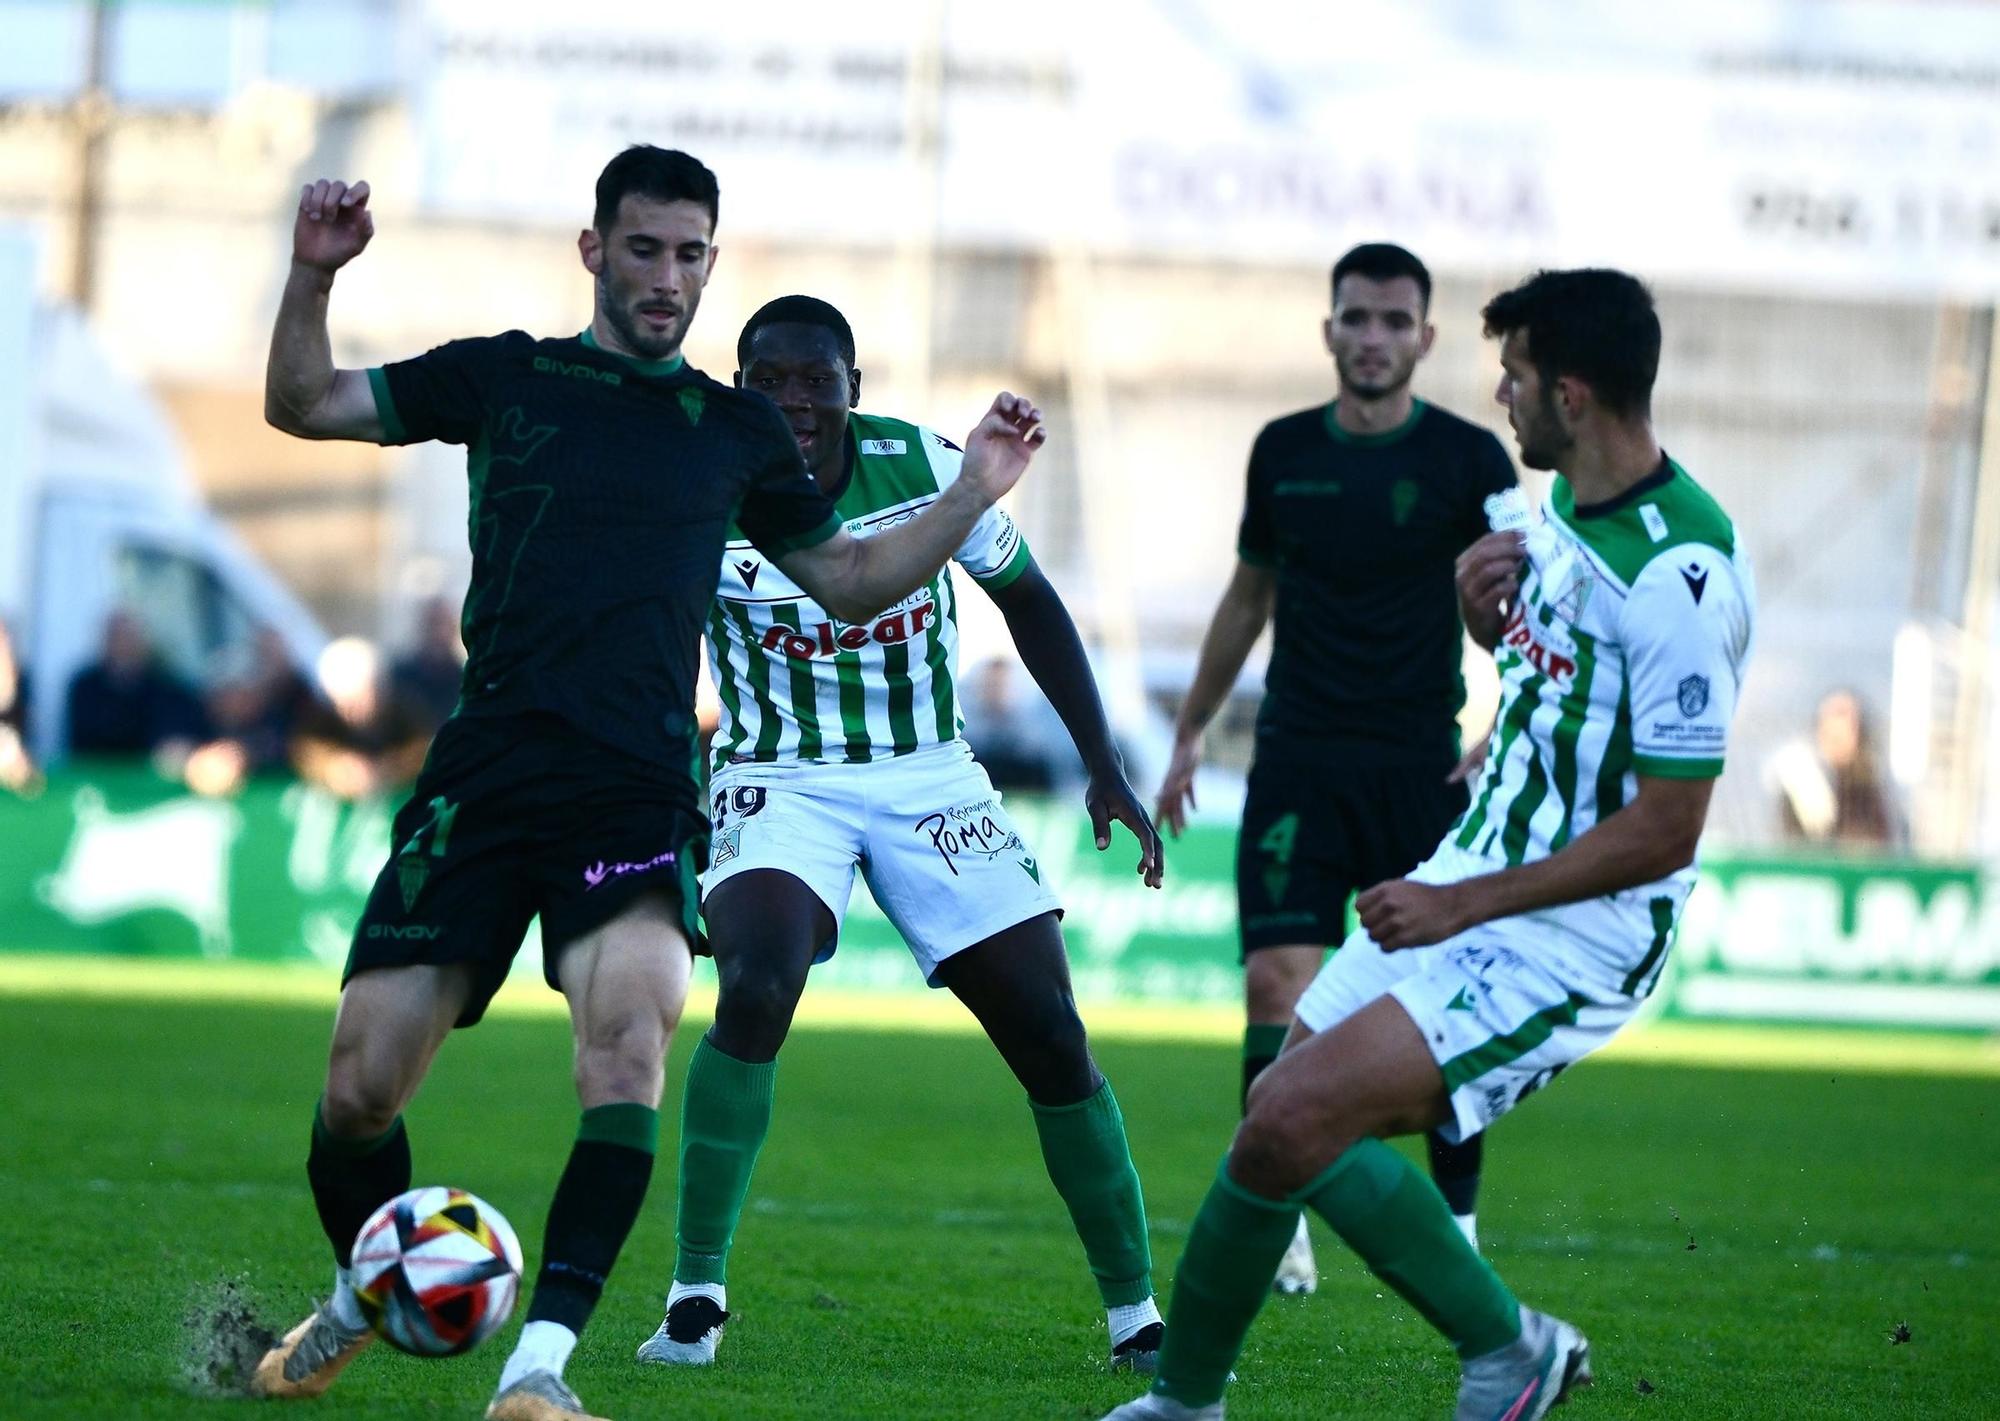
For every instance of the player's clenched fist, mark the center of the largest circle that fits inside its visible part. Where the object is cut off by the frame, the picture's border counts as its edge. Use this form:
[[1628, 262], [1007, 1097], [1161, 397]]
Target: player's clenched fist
[[1402, 913], [333, 224]]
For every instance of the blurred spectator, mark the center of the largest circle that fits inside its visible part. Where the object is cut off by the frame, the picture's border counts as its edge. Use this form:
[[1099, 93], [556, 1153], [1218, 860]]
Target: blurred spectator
[[17, 768], [286, 692], [1014, 733], [426, 676], [1832, 791], [364, 740], [127, 704], [250, 715]]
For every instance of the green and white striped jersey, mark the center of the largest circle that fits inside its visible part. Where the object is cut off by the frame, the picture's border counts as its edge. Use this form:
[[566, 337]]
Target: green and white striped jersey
[[797, 684], [1624, 656]]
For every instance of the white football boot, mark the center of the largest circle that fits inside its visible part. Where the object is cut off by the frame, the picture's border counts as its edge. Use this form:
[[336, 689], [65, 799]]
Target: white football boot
[[689, 1334], [1298, 1273]]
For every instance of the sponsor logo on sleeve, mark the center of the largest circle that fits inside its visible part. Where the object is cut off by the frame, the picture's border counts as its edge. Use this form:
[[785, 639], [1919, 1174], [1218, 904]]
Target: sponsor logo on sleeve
[[1693, 695], [1003, 545], [748, 570]]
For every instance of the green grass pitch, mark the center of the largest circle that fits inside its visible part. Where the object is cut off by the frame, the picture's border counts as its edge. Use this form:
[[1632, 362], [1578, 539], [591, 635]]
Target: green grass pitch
[[1738, 1243]]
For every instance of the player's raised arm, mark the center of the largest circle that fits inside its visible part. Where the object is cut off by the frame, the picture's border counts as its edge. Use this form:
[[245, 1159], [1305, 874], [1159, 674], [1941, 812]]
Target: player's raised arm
[[1239, 620], [303, 393], [855, 578]]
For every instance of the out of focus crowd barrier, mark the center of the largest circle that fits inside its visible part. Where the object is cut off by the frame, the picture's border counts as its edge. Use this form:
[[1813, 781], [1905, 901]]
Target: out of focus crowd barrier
[[115, 860]]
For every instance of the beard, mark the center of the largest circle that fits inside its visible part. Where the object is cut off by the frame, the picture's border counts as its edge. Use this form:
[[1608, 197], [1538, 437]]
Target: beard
[[1388, 383], [1544, 441], [634, 335]]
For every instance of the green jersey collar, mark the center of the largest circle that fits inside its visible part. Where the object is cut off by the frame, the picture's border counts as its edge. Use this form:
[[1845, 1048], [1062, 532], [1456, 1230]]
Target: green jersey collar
[[1372, 441], [644, 367], [1652, 483]]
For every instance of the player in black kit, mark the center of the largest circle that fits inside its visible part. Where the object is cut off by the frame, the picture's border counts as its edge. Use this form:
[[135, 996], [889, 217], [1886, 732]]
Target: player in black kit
[[1353, 516], [604, 475]]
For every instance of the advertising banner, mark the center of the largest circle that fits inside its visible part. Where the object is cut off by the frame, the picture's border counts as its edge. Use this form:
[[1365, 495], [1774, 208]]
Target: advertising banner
[[1784, 145], [120, 862]]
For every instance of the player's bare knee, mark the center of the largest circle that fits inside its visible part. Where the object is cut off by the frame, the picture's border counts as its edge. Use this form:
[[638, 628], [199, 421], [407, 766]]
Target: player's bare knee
[[1058, 1069], [621, 1056], [1261, 1158], [359, 1104], [1289, 1137], [1053, 1029], [626, 1066], [757, 997], [1274, 979]]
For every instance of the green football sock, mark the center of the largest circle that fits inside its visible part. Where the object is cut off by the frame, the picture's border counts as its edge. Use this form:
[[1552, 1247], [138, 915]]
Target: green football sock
[[1397, 1221], [1091, 1165], [1224, 1276], [725, 1115]]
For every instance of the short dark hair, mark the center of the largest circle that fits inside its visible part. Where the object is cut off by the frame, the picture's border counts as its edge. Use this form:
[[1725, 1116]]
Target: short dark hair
[[663, 174], [797, 311], [1384, 261], [1593, 323]]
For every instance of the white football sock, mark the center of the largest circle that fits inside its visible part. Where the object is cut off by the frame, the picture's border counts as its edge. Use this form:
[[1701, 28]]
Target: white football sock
[[714, 1291], [344, 1307], [1128, 1318], [1468, 1224], [544, 1347]]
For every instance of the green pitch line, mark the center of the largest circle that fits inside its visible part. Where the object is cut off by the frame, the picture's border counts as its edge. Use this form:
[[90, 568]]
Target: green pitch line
[[1720, 1045]]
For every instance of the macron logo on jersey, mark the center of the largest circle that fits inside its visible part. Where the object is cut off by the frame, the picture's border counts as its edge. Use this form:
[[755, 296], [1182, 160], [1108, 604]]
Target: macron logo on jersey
[[885, 446]]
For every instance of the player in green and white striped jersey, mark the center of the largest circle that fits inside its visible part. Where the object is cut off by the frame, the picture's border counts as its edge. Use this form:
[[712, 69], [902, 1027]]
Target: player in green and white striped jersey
[[798, 686], [1621, 623], [838, 752]]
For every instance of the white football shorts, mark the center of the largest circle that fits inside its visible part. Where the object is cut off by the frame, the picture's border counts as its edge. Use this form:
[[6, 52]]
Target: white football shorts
[[1507, 1006], [926, 830]]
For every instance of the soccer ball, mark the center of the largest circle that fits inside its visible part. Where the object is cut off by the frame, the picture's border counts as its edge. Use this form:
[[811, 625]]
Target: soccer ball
[[437, 1271]]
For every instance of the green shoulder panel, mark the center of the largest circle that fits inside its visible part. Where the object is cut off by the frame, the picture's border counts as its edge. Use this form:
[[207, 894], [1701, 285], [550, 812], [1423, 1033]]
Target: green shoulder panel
[[385, 406], [892, 465], [1673, 516]]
